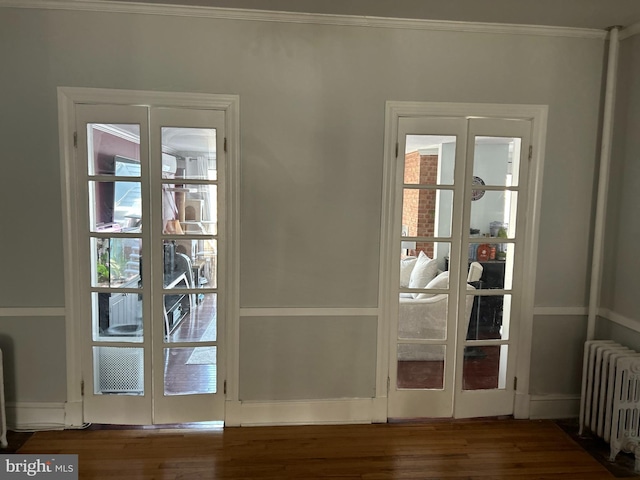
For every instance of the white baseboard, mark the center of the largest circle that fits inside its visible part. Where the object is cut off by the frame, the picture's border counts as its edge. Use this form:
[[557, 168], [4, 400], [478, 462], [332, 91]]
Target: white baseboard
[[366, 410], [554, 406], [35, 416], [522, 406]]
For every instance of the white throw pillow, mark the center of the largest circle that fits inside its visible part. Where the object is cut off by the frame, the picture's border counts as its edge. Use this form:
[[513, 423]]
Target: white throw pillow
[[440, 281], [406, 267], [423, 272]]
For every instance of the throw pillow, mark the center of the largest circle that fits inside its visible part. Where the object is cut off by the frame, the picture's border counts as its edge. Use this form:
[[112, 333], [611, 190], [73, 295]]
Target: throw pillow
[[441, 281], [406, 267], [423, 272]]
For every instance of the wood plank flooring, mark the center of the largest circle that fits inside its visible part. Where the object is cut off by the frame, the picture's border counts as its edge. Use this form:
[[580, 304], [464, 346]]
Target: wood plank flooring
[[473, 449]]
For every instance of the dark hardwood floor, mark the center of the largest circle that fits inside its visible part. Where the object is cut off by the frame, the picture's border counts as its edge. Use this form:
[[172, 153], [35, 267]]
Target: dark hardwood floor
[[473, 449]]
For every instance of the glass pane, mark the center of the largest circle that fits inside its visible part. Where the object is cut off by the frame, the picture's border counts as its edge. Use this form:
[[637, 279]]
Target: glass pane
[[484, 368], [177, 308], [497, 160], [197, 147], [116, 262], [117, 317], [190, 370], [421, 366], [421, 263], [190, 263], [427, 213], [114, 149], [115, 206], [493, 213], [424, 317], [198, 324], [489, 317], [429, 159], [118, 370], [189, 209], [495, 263]]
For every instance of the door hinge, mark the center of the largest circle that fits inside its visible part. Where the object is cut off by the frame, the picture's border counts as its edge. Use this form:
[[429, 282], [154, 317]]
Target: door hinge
[[515, 383], [225, 144], [397, 148], [530, 152], [75, 139], [82, 388], [224, 387]]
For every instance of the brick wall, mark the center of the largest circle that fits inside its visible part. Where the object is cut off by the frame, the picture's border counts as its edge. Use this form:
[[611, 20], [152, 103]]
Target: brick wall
[[419, 206]]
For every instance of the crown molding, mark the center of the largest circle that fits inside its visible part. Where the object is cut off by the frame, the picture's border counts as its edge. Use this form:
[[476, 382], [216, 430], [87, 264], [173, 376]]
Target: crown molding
[[630, 31], [308, 18]]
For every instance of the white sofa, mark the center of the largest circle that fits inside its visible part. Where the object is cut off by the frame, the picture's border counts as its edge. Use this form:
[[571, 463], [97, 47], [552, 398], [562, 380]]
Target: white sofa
[[424, 316]]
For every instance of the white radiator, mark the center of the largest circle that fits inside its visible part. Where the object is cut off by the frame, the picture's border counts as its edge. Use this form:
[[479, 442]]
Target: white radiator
[[610, 401]]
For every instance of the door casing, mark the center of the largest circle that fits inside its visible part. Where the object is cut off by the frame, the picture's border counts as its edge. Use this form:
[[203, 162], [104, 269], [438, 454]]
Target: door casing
[[68, 98], [537, 114]]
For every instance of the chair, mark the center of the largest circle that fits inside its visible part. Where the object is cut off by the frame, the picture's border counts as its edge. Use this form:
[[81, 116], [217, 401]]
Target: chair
[[475, 272]]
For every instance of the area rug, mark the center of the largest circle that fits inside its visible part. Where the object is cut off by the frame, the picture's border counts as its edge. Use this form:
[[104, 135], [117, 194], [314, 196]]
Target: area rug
[[202, 356]]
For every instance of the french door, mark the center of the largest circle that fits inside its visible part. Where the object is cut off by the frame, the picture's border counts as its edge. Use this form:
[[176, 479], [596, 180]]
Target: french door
[[456, 248], [150, 222]]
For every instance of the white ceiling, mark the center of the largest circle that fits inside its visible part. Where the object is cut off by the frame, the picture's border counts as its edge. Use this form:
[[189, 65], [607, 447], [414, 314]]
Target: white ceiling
[[598, 14]]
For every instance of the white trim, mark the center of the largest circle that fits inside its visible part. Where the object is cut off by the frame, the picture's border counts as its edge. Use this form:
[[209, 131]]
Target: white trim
[[339, 411], [306, 18], [232, 277], [621, 320], [308, 312], [560, 311], [35, 416], [630, 31], [32, 312], [554, 406]]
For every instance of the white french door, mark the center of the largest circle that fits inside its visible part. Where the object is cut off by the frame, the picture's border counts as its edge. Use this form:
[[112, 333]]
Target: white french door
[[150, 224], [456, 247]]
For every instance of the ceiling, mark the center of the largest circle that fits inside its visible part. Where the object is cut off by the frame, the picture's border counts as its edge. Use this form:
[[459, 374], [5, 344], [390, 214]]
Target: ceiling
[[598, 14]]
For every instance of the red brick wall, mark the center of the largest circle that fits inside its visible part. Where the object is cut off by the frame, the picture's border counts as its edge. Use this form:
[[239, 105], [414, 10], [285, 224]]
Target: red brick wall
[[419, 206]]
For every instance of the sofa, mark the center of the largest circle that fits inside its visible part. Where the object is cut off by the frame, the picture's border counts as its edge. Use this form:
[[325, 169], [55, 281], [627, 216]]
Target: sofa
[[424, 315]]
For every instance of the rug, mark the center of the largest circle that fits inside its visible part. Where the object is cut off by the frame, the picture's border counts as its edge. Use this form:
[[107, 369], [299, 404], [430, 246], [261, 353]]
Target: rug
[[202, 356]]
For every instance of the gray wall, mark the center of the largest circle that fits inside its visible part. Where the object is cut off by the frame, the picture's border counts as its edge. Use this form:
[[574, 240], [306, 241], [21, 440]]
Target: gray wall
[[622, 261], [312, 125]]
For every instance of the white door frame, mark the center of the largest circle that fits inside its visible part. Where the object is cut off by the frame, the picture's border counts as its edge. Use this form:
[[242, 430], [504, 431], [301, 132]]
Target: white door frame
[[538, 116], [68, 98]]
